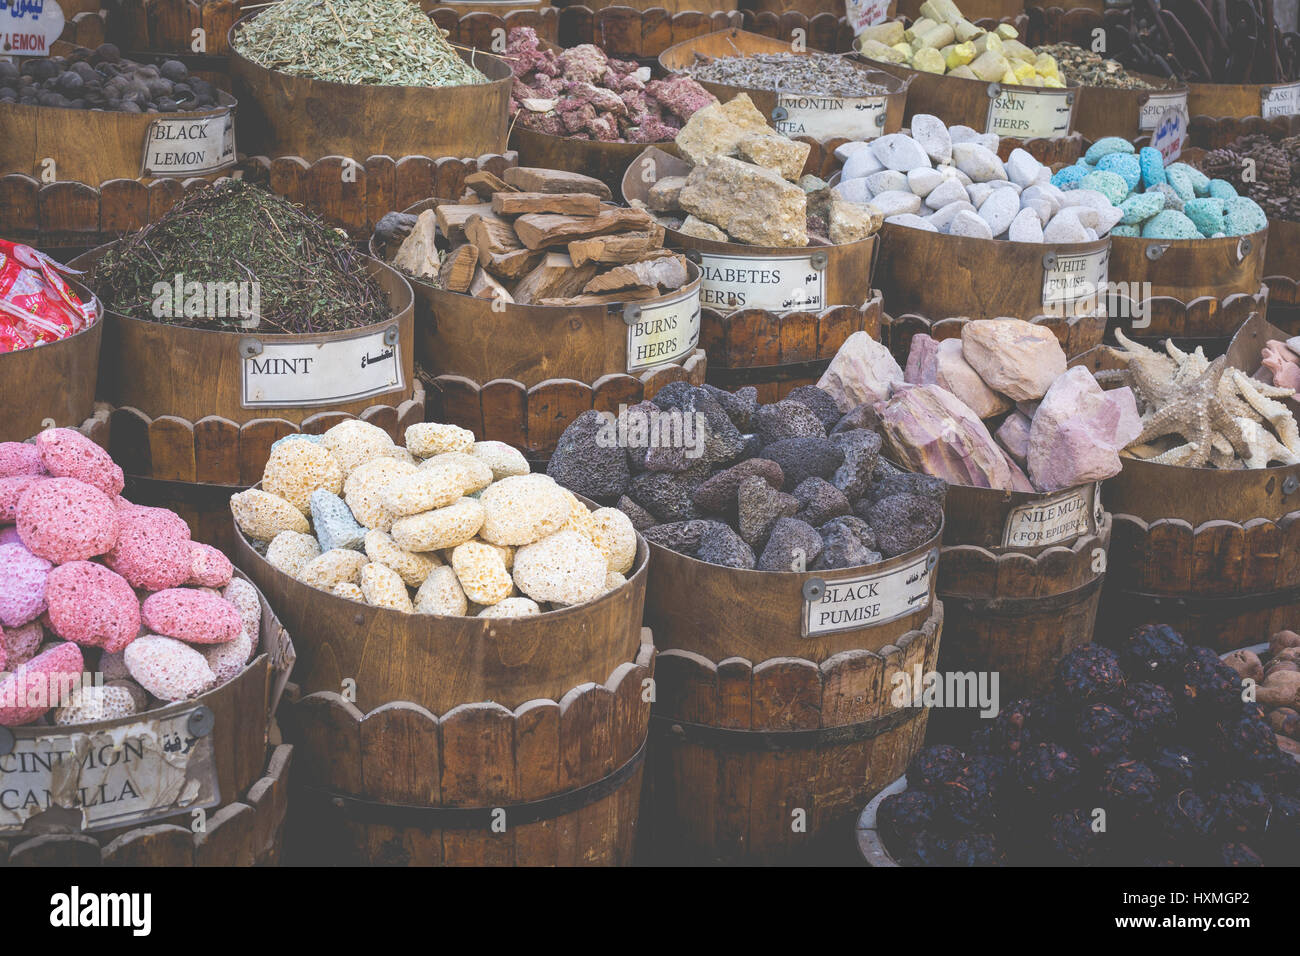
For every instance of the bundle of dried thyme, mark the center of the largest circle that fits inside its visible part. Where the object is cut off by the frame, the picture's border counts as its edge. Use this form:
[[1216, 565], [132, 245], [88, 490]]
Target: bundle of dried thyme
[[364, 42], [824, 74], [233, 242]]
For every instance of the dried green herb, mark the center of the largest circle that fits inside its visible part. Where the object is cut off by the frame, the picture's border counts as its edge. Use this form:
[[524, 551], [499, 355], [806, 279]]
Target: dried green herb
[[308, 276], [363, 42], [823, 74], [1080, 67]]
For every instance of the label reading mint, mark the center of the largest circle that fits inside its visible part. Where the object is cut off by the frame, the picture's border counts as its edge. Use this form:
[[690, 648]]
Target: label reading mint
[[189, 146], [1072, 285], [1027, 114], [830, 117], [297, 374], [662, 332], [779, 284], [129, 773], [851, 603], [1153, 110], [1055, 520], [1280, 101], [865, 13]]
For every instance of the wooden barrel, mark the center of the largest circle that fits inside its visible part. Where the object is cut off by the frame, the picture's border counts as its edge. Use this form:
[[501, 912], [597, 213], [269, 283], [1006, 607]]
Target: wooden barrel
[[466, 741], [51, 144], [235, 779], [286, 115], [629, 33], [803, 114], [1211, 553], [605, 161], [767, 742], [676, 6], [871, 847], [972, 10], [496, 8], [486, 26], [1051, 137], [175, 26], [1020, 576], [1132, 114], [51, 384], [934, 283], [1282, 275], [1197, 291]]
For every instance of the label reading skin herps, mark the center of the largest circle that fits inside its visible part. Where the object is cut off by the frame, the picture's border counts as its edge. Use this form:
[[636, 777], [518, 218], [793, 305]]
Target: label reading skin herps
[[779, 284], [664, 332], [1023, 114], [828, 117], [189, 146], [1056, 520], [871, 599], [321, 373]]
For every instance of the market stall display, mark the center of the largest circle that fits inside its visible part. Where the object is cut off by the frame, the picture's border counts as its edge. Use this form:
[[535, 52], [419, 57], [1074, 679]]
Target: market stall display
[[1272, 667]]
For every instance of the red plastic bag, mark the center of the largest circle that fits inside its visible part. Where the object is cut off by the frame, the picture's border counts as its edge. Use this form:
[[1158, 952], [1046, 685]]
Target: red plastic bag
[[36, 305]]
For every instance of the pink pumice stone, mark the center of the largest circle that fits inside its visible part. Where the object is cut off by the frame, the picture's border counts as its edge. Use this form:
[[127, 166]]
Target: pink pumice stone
[[20, 458], [93, 606], [153, 548], [23, 578], [70, 454], [11, 489], [21, 643], [209, 568], [63, 519], [41, 683], [195, 617]]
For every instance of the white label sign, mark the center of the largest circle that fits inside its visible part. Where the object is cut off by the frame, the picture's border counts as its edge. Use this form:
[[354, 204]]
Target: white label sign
[[131, 773], [181, 146], [1055, 520], [830, 117], [1153, 110], [850, 603], [865, 13], [1073, 284], [780, 284], [1170, 133], [1280, 101], [1027, 114], [662, 332], [296, 374], [28, 27]]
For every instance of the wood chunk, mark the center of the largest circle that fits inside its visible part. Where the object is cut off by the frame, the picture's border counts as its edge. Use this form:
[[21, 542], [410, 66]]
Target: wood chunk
[[539, 230], [452, 218], [555, 278], [486, 184], [458, 268], [566, 204], [511, 265], [607, 298], [492, 234], [534, 179], [667, 273], [484, 286], [617, 249], [419, 252]]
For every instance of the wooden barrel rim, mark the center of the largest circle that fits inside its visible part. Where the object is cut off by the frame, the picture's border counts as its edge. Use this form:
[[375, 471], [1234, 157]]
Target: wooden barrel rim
[[741, 740], [870, 844], [1102, 109]]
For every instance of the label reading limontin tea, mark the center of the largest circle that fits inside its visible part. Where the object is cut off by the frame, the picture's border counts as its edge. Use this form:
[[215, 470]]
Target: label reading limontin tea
[[129, 773], [1027, 114], [778, 284], [1153, 109], [871, 599], [1072, 284], [1055, 520], [827, 117], [184, 146], [1280, 101], [662, 332], [294, 374]]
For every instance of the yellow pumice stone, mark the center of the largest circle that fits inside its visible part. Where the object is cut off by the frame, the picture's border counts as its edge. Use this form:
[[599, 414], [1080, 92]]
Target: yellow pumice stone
[[619, 537], [481, 572], [522, 509], [262, 515], [383, 588], [354, 442], [336, 566], [504, 460], [441, 593], [512, 607], [364, 488], [614, 581], [476, 474], [346, 589], [563, 568], [426, 439], [428, 488], [291, 551], [443, 528], [297, 468], [411, 566]]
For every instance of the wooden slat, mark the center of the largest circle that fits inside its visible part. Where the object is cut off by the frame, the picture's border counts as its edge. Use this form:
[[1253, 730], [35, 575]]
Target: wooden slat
[[478, 769]]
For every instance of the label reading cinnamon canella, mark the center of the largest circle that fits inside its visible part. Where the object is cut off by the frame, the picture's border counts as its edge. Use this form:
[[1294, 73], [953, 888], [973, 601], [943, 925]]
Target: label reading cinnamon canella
[[297, 374], [778, 284], [1072, 285], [189, 146], [1055, 520], [827, 117], [660, 333], [851, 603], [1280, 101], [1027, 114], [129, 773]]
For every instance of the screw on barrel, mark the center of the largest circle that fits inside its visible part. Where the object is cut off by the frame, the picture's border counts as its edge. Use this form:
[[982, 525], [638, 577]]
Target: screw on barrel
[[813, 589]]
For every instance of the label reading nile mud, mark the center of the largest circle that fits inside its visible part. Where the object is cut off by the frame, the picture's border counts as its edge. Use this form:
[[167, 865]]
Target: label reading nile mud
[[662, 332], [1072, 285], [1154, 108], [1280, 101], [183, 146], [851, 603], [1027, 114], [128, 774], [296, 374], [1056, 520], [780, 284], [827, 117]]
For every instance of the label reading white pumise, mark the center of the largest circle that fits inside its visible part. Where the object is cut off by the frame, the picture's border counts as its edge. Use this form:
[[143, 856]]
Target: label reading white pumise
[[131, 773], [184, 146], [1280, 101], [1153, 109], [851, 603], [1027, 114], [829, 117], [779, 284], [865, 13], [29, 27], [1055, 520], [294, 374], [1073, 283], [662, 332]]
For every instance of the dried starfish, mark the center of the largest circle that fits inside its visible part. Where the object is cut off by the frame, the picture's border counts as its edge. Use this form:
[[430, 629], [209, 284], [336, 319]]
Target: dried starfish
[[1275, 413], [1148, 372], [1193, 414], [1261, 446]]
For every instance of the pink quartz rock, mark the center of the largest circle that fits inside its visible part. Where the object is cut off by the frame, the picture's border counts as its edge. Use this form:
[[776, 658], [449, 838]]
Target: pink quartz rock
[[11, 489], [69, 454], [20, 458], [209, 567], [63, 519], [1013, 435], [43, 682], [93, 606], [941, 363], [195, 617], [861, 373], [167, 668], [153, 548], [1078, 432], [23, 579], [1017, 358], [21, 643]]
